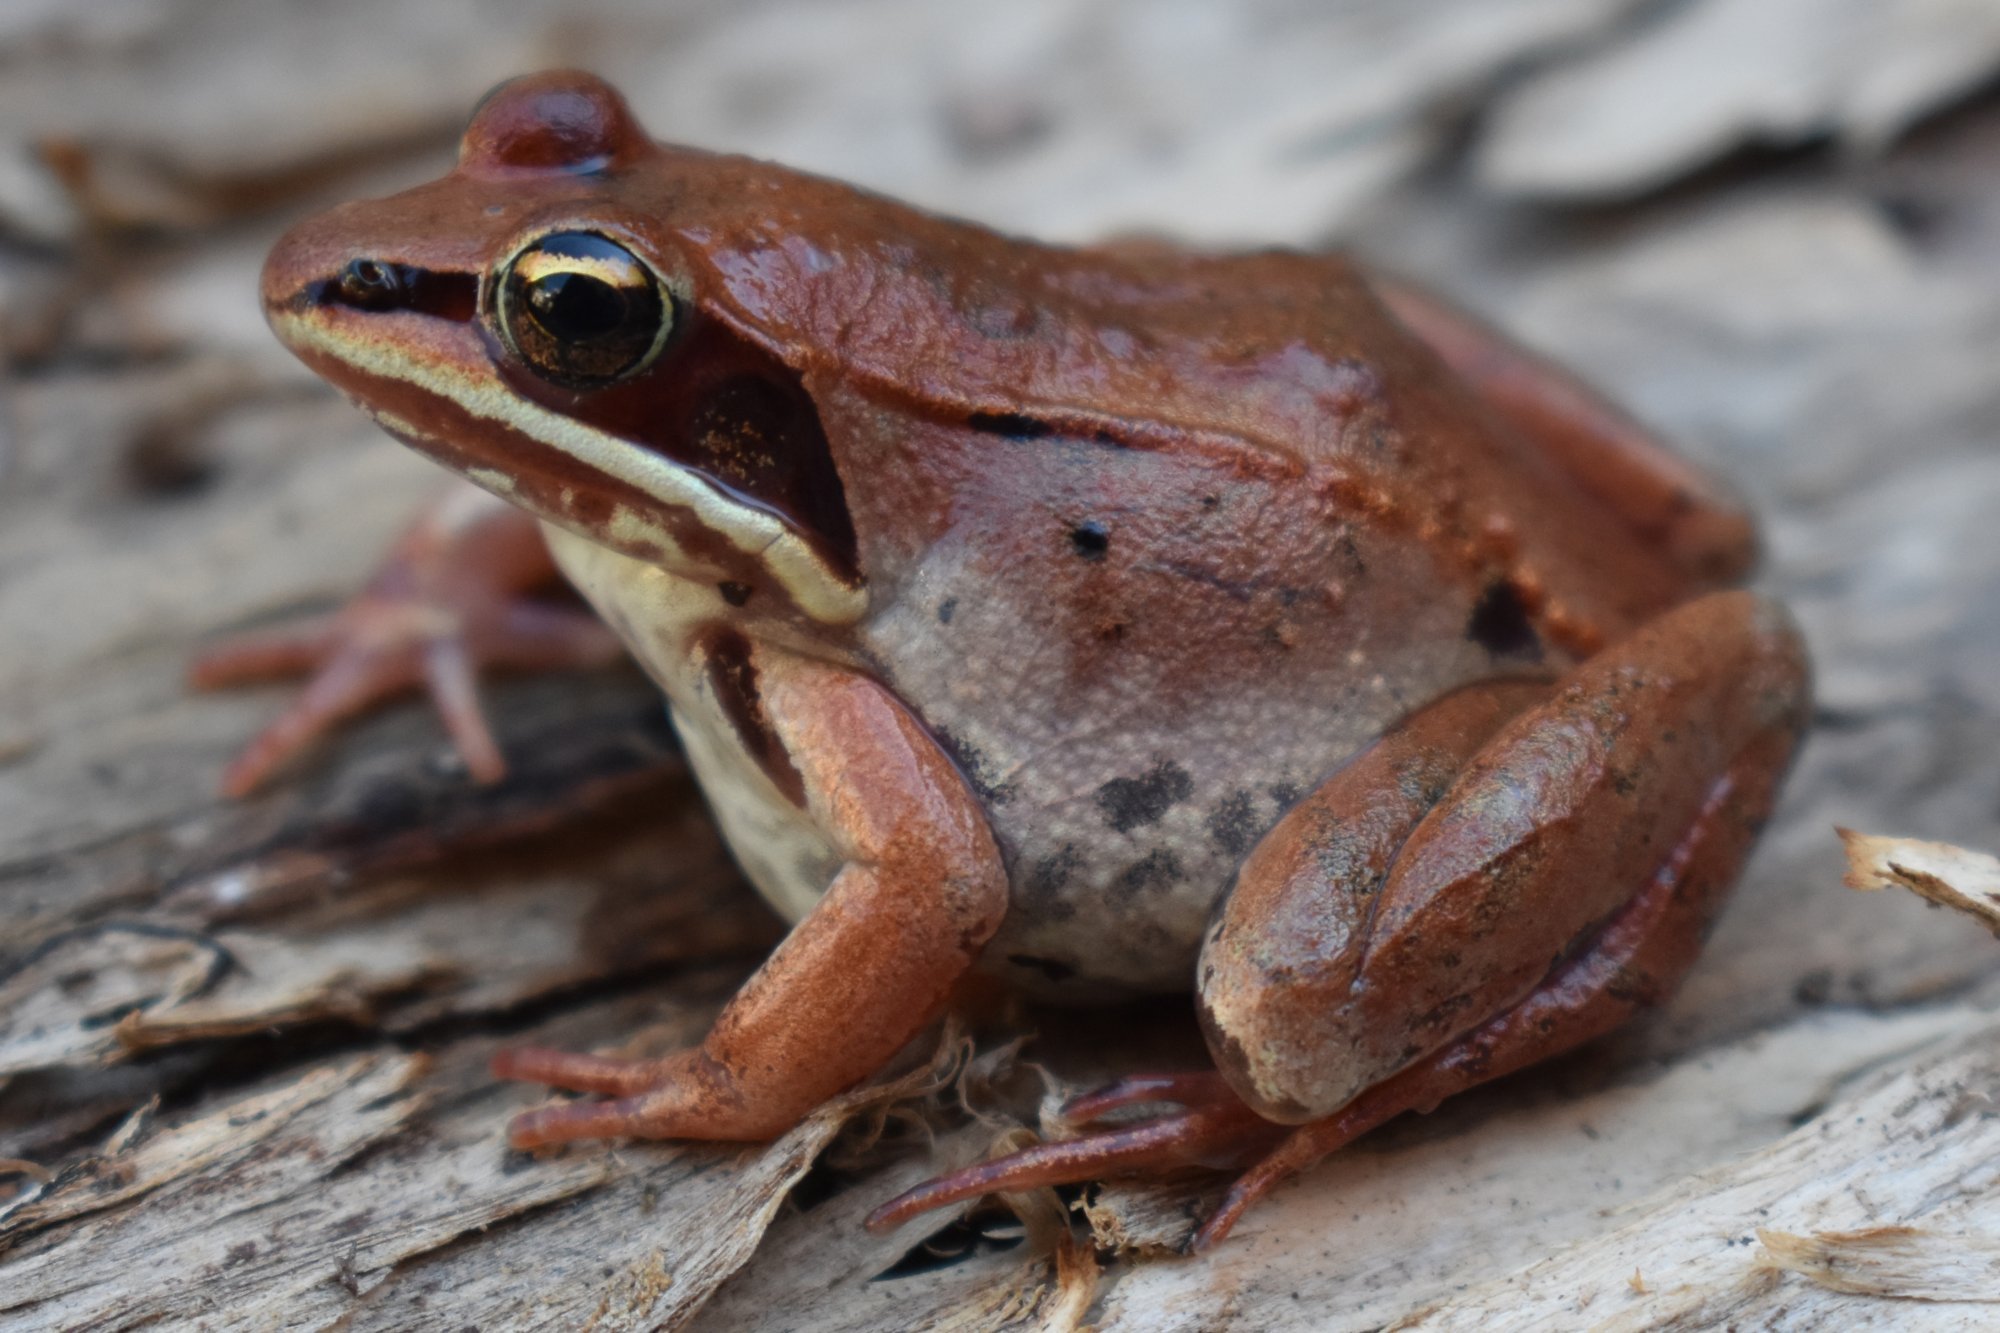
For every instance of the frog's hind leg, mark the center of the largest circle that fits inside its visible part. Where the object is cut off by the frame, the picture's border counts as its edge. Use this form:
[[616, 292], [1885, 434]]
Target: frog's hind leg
[[1690, 515], [1635, 960], [1485, 888], [1322, 977]]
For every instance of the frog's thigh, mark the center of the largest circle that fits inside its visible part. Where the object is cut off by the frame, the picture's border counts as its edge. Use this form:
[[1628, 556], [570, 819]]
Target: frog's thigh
[[1372, 926], [921, 889], [1704, 528]]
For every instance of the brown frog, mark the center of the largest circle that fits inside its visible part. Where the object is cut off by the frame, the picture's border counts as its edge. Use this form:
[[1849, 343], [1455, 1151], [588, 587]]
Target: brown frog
[[1115, 621]]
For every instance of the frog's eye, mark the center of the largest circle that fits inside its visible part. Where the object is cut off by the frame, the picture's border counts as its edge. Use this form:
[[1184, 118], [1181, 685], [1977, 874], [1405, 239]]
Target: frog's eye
[[583, 311]]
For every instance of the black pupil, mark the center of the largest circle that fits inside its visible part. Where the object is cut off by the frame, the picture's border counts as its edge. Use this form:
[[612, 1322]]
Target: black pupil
[[579, 308]]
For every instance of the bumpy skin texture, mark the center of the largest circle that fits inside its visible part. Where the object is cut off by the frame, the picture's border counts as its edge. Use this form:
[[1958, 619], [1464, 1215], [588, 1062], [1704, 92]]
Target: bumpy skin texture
[[1244, 590]]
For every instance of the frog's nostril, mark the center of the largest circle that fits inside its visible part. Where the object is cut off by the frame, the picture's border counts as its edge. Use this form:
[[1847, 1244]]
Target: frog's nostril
[[376, 286], [370, 285]]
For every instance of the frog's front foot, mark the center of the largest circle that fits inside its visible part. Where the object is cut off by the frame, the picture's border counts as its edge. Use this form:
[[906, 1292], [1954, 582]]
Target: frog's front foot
[[449, 600], [687, 1095]]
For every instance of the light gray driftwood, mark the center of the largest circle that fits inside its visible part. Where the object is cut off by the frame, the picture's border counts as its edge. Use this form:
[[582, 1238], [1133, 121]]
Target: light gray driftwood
[[243, 1048]]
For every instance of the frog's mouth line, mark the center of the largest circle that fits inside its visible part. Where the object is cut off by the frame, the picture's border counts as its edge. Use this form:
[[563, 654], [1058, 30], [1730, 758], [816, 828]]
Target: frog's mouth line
[[423, 363]]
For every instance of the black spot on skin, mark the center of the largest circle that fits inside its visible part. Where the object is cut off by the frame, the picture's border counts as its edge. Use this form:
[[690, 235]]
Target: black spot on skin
[[1130, 803], [976, 767], [1284, 794], [1501, 626], [1157, 870], [1091, 539], [1051, 968], [734, 593], [946, 610], [1349, 551], [1047, 880], [1232, 825], [1013, 425]]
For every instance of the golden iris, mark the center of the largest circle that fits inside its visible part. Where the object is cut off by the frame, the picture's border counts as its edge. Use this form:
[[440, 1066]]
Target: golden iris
[[582, 310]]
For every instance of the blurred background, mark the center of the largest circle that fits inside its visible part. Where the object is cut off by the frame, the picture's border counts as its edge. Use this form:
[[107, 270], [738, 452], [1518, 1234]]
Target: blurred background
[[1770, 227]]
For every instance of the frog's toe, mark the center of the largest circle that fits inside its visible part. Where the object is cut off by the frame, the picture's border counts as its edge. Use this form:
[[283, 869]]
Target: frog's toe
[[345, 681], [255, 656], [575, 1072], [1214, 1130], [686, 1095]]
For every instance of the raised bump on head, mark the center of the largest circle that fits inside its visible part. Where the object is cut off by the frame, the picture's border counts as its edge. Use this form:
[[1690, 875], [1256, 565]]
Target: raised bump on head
[[558, 120]]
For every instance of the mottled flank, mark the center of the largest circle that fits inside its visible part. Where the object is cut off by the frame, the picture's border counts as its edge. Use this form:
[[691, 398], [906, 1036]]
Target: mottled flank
[[1232, 825], [1158, 869], [1051, 873], [1049, 878], [978, 770], [1130, 803]]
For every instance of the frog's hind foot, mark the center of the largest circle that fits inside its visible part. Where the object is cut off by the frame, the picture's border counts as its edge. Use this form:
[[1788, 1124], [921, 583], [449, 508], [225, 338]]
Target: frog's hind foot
[[1212, 1129]]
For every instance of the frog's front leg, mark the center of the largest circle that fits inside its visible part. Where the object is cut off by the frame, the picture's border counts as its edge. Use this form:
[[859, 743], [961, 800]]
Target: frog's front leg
[[1474, 894], [920, 890]]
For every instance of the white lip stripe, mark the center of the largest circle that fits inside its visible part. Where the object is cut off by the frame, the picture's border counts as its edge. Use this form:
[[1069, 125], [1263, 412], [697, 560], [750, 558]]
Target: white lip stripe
[[817, 590]]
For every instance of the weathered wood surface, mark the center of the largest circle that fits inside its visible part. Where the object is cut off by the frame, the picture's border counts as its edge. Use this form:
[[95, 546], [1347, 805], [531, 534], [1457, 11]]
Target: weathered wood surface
[[242, 1048]]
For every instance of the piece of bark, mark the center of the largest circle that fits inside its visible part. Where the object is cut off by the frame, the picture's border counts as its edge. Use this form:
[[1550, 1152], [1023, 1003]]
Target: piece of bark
[[1938, 872], [606, 900], [357, 1195], [1024, 118], [1907, 1263], [1503, 1177], [1667, 97], [1916, 1151]]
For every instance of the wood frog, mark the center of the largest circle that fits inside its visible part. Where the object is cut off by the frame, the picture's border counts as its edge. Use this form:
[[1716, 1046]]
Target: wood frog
[[1115, 621]]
